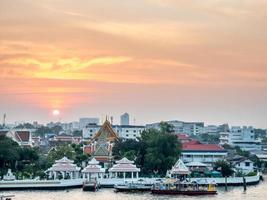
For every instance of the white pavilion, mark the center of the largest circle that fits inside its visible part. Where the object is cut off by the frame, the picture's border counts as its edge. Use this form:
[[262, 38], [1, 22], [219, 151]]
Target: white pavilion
[[124, 168], [179, 169], [64, 167], [93, 170]]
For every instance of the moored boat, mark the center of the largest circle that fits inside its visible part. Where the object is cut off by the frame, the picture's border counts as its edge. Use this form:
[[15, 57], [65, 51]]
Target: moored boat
[[133, 186], [184, 188], [90, 186]]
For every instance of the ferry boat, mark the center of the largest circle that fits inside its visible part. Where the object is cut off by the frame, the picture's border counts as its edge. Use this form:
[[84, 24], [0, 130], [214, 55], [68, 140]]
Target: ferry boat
[[133, 186], [184, 188]]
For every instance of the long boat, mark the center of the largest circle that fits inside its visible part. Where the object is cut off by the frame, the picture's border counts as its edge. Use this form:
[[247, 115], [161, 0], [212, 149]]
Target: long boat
[[133, 186], [184, 188]]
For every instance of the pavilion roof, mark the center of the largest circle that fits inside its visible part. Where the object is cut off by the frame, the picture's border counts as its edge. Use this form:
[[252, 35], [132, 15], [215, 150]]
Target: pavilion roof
[[179, 168], [93, 167], [64, 164], [124, 165]]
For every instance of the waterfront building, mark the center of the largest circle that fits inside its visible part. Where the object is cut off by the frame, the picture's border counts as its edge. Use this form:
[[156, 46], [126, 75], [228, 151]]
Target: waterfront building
[[179, 169], [208, 154], [100, 146], [93, 170], [124, 168], [22, 136], [125, 119], [242, 164], [243, 137], [190, 128], [64, 169], [123, 131]]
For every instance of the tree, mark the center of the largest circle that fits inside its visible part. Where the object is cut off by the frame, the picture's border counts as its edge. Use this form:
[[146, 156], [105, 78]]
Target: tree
[[128, 148], [25, 125], [224, 167], [9, 154], [163, 150], [166, 127], [59, 152], [209, 138]]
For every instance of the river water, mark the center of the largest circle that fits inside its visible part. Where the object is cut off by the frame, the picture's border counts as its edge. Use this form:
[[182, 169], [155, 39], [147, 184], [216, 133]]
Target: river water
[[258, 192]]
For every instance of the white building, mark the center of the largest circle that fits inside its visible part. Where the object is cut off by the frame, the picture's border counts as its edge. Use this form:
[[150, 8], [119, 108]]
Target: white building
[[125, 119], [243, 165], [125, 132], [22, 136], [202, 153], [242, 137], [190, 128], [83, 122]]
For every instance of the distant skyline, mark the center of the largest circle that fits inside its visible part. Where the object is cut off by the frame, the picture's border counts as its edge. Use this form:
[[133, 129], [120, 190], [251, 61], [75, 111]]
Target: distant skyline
[[155, 59]]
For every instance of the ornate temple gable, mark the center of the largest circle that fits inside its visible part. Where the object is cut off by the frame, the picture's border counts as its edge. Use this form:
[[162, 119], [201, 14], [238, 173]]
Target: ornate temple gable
[[101, 151], [106, 133]]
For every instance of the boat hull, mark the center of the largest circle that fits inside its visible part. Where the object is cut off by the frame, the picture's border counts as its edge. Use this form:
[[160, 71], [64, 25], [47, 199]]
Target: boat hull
[[189, 193]]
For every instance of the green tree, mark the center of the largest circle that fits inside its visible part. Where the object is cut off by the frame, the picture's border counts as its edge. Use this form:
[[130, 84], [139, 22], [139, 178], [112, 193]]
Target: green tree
[[224, 167], [166, 127], [59, 152], [9, 154]]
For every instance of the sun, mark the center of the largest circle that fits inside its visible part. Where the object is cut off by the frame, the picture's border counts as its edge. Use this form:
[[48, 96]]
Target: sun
[[55, 112]]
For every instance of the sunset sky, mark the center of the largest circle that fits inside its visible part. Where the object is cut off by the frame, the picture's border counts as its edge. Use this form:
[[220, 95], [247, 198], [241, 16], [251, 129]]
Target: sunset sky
[[192, 60]]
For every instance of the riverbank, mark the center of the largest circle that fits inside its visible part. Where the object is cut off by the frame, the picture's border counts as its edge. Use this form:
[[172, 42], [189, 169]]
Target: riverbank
[[257, 192]]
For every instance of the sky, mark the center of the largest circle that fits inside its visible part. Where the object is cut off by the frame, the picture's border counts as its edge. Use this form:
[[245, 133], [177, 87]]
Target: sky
[[191, 60]]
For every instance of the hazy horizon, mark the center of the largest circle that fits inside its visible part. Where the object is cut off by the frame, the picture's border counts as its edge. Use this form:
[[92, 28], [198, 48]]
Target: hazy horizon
[[155, 59]]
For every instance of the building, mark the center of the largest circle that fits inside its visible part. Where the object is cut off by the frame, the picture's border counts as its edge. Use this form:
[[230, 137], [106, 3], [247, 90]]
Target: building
[[23, 136], [83, 122], [211, 129], [242, 137], [93, 170], [190, 128], [242, 164], [179, 170], [64, 169], [124, 168], [125, 119], [208, 154], [123, 131], [100, 146]]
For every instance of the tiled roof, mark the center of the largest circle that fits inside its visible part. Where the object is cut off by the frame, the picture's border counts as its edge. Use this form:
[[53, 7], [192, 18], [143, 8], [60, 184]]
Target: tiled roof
[[24, 136], [182, 136], [202, 147]]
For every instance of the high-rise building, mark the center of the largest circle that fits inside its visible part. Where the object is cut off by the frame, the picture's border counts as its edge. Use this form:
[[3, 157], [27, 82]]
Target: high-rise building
[[190, 128], [125, 119], [88, 120]]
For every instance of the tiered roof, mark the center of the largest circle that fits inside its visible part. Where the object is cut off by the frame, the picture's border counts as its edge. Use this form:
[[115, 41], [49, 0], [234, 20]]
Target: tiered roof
[[93, 167], [124, 165], [179, 168], [64, 164]]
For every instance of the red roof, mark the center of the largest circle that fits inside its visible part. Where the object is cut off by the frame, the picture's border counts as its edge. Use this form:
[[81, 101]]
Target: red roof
[[202, 147], [23, 136], [182, 136]]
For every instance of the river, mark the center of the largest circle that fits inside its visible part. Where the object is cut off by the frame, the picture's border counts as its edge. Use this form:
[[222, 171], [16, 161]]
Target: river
[[258, 192]]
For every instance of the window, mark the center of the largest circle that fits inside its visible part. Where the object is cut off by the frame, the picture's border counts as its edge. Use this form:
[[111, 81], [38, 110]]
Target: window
[[127, 131], [247, 164], [127, 135], [91, 130], [134, 131]]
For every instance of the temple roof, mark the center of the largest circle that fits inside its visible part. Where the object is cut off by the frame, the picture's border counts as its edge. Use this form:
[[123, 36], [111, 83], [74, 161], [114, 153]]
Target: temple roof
[[124, 165], [106, 132], [179, 168]]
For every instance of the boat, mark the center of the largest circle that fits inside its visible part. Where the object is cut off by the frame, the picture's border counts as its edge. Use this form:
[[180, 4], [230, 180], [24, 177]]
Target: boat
[[184, 188], [133, 186], [6, 197], [91, 186]]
